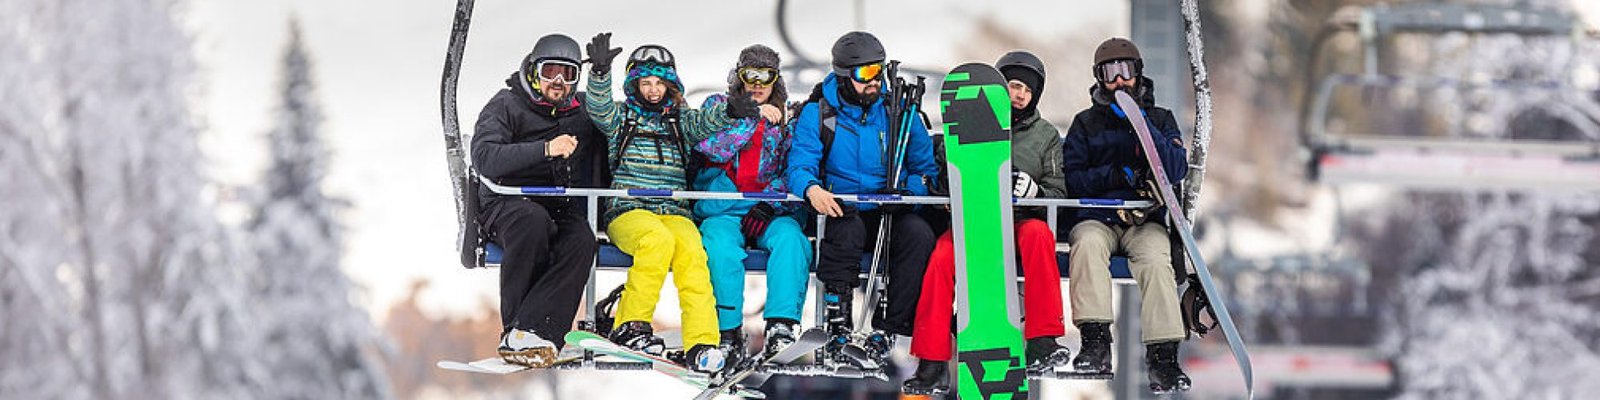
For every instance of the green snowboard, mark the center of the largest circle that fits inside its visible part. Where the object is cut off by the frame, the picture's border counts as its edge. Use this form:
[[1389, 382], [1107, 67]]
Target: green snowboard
[[977, 125]]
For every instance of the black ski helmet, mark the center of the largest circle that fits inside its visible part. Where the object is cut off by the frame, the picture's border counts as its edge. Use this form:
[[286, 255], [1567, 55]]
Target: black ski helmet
[[856, 48], [1021, 58], [1028, 68], [1024, 61], [553, 46]]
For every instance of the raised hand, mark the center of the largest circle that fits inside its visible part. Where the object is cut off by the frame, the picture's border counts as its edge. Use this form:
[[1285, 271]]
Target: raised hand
[[601, 53]]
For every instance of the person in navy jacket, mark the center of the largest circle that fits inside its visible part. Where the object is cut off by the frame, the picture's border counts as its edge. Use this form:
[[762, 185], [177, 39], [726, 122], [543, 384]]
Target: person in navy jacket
[[1102, 158]]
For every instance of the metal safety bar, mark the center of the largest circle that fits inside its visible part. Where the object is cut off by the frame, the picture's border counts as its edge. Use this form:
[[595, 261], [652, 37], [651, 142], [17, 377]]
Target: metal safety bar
[[592, 196]]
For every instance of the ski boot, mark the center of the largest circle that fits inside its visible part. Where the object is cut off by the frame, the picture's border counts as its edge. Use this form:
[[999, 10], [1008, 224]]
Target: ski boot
[[878, 344], [525, 348], [1045, 354], [706, 359], [1166, 376], [733, 345], [780, 334], [836, 314], [1095, 356], [927, 381], [639, 336]]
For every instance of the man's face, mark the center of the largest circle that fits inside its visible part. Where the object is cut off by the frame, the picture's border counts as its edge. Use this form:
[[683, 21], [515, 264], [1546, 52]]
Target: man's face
[[1021, 95], [759, 93], [554, 90], [653, 88], [869, 88]]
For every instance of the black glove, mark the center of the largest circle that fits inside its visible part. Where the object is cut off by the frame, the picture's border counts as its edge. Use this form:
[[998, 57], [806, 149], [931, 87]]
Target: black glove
[[601, 53], [755, 222], [896, 208], [741, 107]]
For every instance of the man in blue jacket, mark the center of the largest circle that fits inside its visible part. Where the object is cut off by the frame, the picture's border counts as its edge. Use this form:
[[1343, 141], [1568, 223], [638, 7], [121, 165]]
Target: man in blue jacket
[[842, 145], [1102, 158]]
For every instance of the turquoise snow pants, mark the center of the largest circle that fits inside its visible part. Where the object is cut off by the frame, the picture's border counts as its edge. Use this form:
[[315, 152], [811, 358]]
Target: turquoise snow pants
[[788, 267]]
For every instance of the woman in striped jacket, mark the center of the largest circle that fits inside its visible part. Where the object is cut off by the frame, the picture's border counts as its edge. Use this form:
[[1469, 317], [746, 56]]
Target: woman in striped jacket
[[649, 133]]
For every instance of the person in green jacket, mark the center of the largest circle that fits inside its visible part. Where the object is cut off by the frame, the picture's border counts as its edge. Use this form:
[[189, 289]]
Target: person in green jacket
[[1036, 161]]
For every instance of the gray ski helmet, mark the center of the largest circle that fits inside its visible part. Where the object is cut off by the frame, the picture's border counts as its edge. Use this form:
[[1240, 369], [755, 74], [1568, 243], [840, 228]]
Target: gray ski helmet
[[854, 49], [557, 46], [553, 46]]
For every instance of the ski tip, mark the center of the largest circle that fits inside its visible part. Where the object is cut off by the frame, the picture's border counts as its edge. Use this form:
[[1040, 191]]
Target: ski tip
[[973, 72]]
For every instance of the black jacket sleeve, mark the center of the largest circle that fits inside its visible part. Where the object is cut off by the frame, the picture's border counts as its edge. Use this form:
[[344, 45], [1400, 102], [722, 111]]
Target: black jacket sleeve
[[494, 154]]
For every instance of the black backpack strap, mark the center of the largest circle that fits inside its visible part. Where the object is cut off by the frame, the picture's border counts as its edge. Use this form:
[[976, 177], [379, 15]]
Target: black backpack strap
[[630, 127], [829, 119], [675, 132]]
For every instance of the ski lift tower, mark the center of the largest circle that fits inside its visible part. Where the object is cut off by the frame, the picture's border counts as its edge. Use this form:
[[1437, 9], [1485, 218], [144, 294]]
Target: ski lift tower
[[1430, 161]]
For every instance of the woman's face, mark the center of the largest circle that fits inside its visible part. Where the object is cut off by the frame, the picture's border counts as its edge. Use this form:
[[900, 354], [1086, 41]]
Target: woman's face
[[759, 93], [653, 88]]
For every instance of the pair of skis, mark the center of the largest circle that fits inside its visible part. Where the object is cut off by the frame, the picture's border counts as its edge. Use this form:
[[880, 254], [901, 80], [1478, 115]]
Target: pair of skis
[[990, 349]]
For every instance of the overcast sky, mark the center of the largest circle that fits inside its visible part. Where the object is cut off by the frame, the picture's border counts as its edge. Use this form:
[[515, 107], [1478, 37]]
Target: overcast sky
[[378, 66]]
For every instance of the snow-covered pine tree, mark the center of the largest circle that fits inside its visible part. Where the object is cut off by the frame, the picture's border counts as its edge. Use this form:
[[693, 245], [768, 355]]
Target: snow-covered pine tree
[[313, 335], [116, 280]]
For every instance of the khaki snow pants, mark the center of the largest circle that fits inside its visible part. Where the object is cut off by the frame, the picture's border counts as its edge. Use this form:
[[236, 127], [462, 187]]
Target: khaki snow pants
[[1149, 259]]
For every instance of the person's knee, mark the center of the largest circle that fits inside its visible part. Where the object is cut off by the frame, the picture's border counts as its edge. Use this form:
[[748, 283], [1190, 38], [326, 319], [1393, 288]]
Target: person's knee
[[1033, 229], [1092, 236], [656, 240]]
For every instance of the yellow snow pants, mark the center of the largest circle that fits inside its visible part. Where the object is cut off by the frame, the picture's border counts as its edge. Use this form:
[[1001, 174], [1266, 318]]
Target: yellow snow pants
[[659, 243]]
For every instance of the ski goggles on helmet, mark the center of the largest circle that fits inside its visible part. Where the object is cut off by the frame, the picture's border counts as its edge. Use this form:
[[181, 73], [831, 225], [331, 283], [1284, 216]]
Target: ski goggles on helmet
[[866, 72], [651, 54], [759, 76], [1109, 71], [557, 71]]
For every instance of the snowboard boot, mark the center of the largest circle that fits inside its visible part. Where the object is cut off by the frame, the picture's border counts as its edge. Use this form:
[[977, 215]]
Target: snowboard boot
[[1045, 354], [706, 359], [639, 336], [1166, 376], [779, 335], [525, 348], [1095, 356], [928, 380], [733, 345]]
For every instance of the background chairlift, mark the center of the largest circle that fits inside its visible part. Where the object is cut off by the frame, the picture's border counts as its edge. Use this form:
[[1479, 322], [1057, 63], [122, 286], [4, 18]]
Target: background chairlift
[[1420, 160]]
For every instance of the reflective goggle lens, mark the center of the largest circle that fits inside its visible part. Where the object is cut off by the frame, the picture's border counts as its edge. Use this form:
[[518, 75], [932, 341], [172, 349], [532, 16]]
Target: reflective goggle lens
[[866, 73], [1110, 71], [758, 76], [558, 71]]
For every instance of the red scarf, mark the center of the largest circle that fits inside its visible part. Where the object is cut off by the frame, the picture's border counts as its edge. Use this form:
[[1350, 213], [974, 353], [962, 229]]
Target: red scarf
[[746, 174]]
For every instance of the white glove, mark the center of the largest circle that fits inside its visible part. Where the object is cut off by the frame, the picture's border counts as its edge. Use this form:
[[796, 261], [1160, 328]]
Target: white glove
[[1025, 187]]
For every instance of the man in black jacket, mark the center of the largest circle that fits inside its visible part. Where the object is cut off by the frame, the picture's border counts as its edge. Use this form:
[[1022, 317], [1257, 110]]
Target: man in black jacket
[[1102, 158], [535, 132]]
